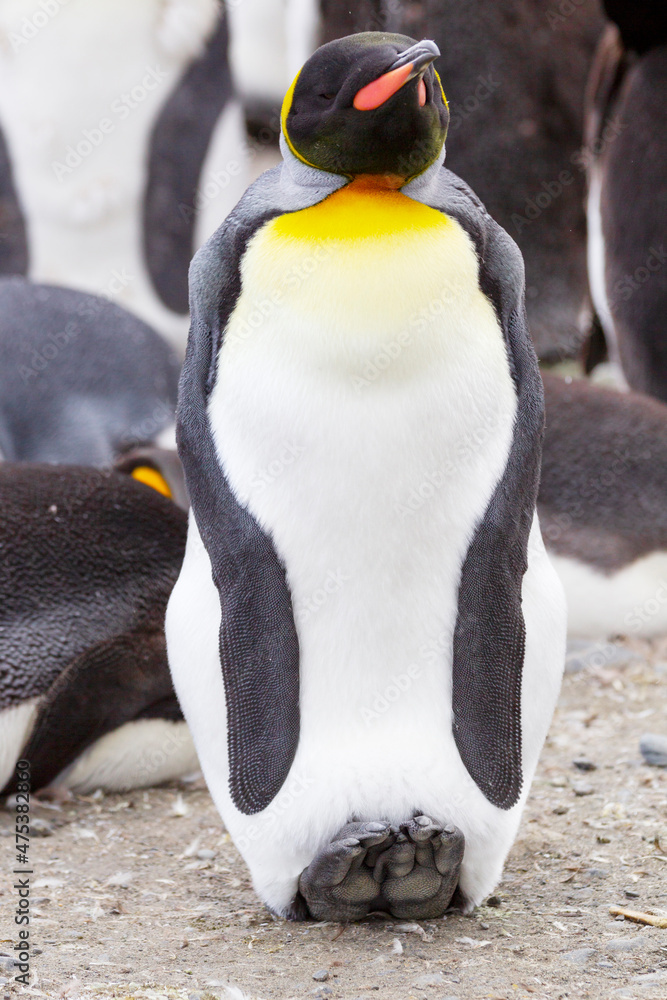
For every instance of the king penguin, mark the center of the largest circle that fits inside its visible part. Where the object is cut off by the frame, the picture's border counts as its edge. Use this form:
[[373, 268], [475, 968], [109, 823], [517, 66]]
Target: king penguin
[[366, 636], [626, 159], [89, 557]]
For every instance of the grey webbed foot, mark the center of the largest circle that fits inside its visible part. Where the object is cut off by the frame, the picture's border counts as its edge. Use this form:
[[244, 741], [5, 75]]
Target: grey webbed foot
[[337, 885], [411, 872]]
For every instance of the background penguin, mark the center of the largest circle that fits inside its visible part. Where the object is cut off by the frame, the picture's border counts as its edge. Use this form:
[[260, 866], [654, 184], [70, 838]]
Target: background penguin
[[88, 560], [157, 467], [626, 147], [120, 178], [516, 72], [603, 507], [80, 378], [354, 534]]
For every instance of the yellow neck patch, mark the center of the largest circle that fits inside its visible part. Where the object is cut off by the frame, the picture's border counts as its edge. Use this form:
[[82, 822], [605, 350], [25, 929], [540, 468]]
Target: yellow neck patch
[[359, 211]]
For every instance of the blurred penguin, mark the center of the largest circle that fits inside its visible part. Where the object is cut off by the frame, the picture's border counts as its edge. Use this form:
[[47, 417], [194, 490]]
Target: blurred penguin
[[626, 148], [125, 145], [603, 507], [81, 380], [516, 73], [89, 559]]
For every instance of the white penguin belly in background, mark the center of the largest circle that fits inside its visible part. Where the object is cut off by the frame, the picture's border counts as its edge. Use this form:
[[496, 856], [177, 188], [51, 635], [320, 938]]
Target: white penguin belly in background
[[80, 97]]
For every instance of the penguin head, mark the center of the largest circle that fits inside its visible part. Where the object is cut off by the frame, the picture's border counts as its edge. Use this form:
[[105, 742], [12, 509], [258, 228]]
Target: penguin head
[[370, 103]]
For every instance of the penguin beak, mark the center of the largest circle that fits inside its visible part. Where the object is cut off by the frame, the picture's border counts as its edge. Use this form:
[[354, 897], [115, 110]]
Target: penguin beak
[[411, 63]]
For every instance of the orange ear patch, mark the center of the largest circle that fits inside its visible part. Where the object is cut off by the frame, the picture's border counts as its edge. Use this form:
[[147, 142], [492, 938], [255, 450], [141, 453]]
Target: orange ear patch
[[151, 477], [376, 93]]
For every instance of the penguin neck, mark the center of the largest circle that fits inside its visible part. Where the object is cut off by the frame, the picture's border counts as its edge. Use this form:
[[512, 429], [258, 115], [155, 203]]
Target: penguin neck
[[377, 182]]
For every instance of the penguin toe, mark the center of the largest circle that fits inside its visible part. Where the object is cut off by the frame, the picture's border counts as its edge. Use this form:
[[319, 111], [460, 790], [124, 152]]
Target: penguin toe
[[338, 884], [423, 887]]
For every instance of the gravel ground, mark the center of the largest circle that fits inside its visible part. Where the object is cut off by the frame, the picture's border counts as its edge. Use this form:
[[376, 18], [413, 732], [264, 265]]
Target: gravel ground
[[143, 895]]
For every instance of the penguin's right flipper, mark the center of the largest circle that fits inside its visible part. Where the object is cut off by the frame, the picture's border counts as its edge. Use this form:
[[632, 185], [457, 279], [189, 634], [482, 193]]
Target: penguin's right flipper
[[259, 648], [117, 681]]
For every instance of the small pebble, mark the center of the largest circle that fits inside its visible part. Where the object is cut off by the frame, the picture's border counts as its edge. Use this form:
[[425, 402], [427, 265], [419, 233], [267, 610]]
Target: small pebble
[[205, 854], [321, 976], [494, 901], [654, 749], [431, 979], [623, 944], [597, 872], [484, 927], [631, 893], [40, 827], [605, 964], [584, 764], [579, 956], [560, 810], [582, 788]]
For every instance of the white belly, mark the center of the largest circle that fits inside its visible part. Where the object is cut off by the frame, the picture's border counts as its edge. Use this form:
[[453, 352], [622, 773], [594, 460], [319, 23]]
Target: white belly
[[364, 420]]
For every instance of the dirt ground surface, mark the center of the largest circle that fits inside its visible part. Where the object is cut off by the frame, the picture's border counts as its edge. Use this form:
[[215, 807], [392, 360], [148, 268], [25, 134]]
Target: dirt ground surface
[[143, 895]]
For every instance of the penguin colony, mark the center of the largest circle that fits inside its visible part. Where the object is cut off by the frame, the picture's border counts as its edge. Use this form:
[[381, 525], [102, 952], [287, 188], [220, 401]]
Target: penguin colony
[[354, 526]]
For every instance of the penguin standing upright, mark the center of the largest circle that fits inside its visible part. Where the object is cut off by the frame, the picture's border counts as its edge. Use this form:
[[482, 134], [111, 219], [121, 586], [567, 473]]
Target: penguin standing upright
[[366, 636], [626, 154], [125, 143]]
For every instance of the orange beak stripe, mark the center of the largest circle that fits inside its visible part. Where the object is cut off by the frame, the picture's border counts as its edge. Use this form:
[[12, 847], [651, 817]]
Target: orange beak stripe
[[376, 93]]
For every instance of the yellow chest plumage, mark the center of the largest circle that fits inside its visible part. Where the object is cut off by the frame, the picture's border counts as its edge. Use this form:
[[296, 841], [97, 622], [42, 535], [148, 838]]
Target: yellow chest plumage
[[362, 267], [361, 211]]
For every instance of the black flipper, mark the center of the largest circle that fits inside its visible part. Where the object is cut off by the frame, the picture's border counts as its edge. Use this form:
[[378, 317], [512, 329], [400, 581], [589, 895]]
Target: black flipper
[[489, 638], [259, 648], [115, 682], [179, 144]]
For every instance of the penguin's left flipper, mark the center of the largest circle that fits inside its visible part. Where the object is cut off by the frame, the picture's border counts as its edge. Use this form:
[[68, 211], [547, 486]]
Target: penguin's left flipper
[[115, 682], [490, 633], [411, 873]]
